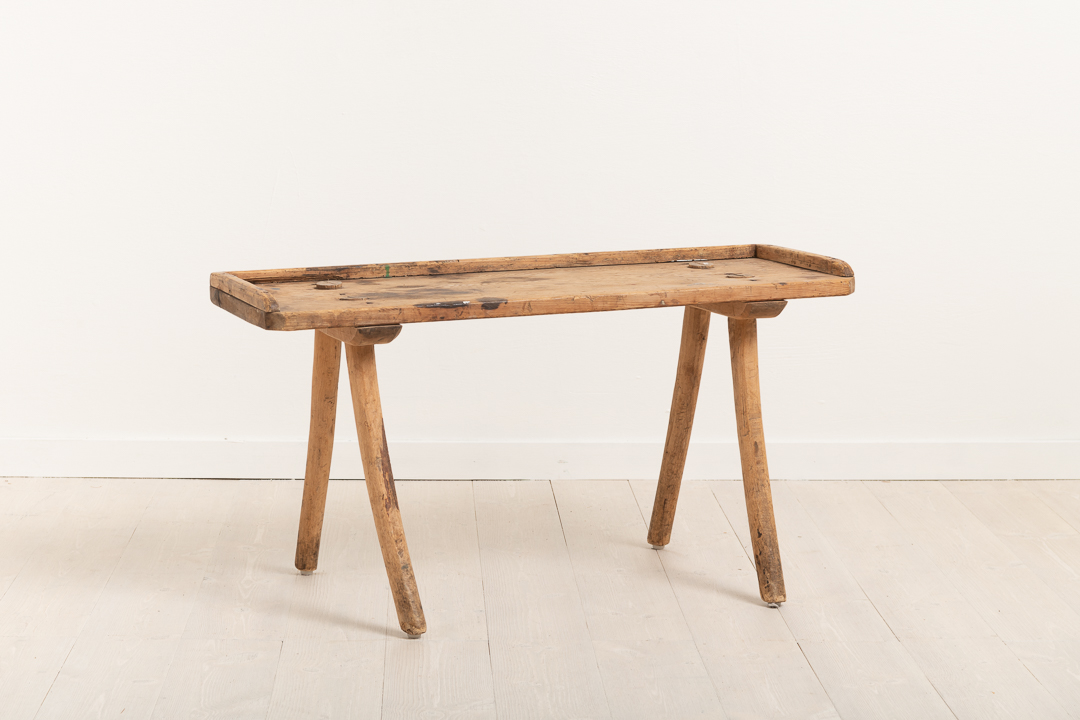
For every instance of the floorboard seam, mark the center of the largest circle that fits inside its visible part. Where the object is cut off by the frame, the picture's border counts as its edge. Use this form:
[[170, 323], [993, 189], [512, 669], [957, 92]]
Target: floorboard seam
[[483, 594], [697, 648], [585, 615]]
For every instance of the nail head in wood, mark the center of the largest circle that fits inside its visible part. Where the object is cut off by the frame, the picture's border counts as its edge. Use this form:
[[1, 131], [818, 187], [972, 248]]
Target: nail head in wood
[[328, 284]]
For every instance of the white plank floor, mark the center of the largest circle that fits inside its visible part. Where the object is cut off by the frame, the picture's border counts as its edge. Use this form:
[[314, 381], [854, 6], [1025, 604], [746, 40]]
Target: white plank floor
[[170, 599]]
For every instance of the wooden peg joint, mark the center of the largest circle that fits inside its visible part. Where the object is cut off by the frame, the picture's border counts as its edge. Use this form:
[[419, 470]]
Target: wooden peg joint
[[747, 310], [370, 335]]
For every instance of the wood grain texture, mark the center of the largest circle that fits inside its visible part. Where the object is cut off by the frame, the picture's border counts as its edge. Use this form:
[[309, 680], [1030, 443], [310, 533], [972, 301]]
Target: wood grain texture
[[542, 658], [446, 554], [747, 310], [219, 679], [438, 679], [1005, 592], [110, 677], [581, 612], [326, 369], [374, 335], [742, 335], [56, 592], [875, 681], [28, 668], [754, 661], [912, 595], [831, 606], [976, 676], [510, 293], [144, 605], [712, 577], [379, 479], [645, 651], [349, 599], [624, 590], [695, 335], [239, 308], [319, 679], [766, 680], [1056, 665], [244, 291], [1030, 528], [480, 265], [1062, 495], [798, 258], [248, 583], [982, 678]]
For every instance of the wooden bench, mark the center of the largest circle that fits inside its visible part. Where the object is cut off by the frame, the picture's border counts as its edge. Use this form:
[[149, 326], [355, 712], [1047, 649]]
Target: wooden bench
[[361, 306]]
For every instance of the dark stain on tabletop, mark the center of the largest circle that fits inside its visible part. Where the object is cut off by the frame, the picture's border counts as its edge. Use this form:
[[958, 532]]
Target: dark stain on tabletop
[[491, 303]]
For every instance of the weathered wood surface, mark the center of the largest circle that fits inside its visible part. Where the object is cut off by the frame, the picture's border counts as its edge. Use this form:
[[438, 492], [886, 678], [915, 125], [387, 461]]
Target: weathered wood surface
[[543, 291], [742, 335], [324, 392], [695, 334], [379, 478], [746, 311], [374, 335], [478, 265], [240, 309], [244, 291], [798, 258]]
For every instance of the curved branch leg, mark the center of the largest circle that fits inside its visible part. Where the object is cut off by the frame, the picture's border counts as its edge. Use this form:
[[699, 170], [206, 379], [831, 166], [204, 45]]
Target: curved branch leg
[[380, 484], [695, 333], [742, 335], [324, 391]]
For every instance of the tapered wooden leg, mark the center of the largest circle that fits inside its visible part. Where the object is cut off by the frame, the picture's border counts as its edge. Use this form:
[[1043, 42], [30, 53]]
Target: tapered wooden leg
[[742, 335], [695, 333], [380, 484], [324, 390]]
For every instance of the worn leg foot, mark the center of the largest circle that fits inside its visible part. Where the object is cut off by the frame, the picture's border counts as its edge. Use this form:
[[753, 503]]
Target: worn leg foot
[[380, 484], [742, 335], [695, 333], [324, 390]]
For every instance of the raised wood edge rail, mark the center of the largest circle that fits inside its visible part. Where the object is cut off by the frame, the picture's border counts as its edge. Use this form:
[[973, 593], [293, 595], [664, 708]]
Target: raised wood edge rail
[[243, 284], [240, 293]]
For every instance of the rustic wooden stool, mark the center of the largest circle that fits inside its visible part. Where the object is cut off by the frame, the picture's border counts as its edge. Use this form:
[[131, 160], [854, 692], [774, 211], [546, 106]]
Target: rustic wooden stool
[[365, 305]]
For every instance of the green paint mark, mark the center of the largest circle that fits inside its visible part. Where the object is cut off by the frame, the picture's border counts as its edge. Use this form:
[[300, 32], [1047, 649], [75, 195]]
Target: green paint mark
[[387, 271]]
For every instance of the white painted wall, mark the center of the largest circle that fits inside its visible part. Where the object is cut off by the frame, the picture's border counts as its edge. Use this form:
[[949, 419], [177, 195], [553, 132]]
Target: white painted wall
[[932, 145]]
